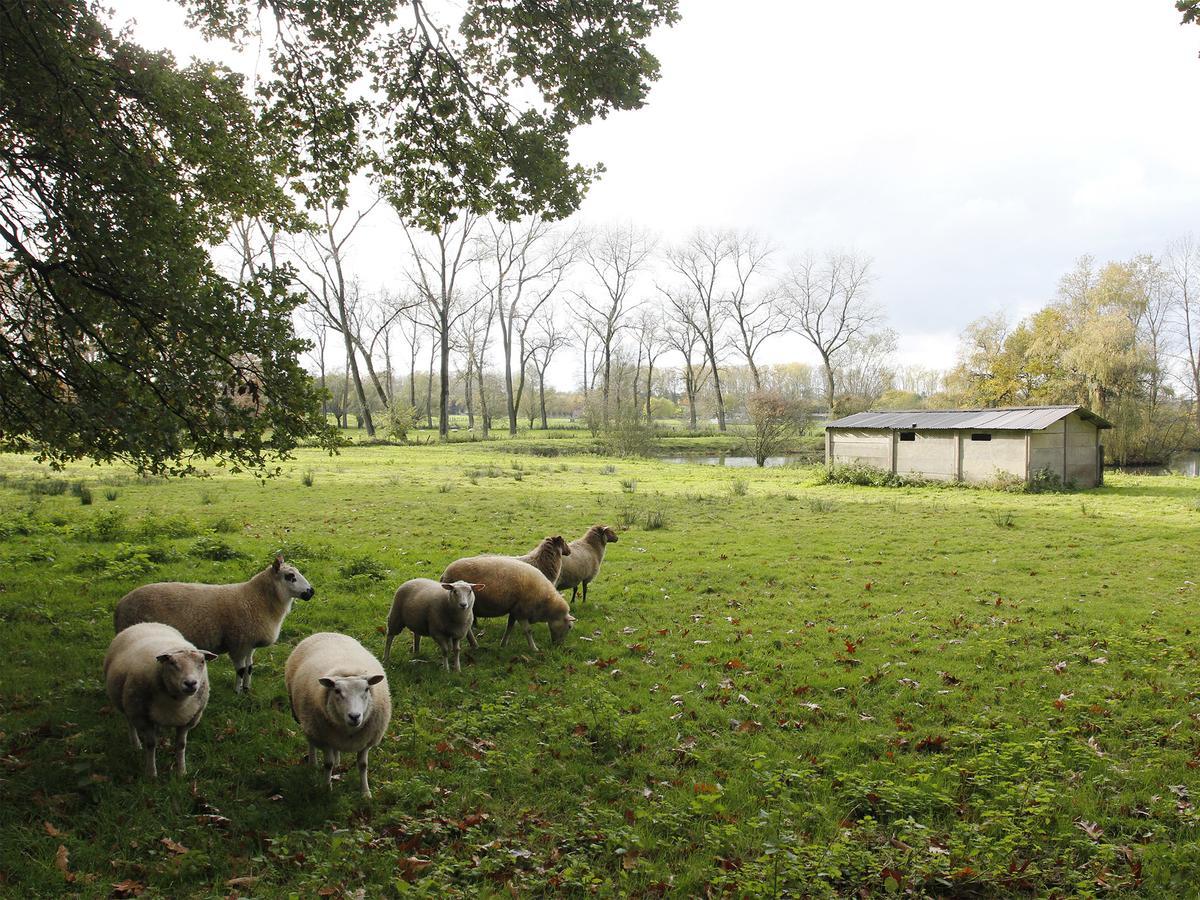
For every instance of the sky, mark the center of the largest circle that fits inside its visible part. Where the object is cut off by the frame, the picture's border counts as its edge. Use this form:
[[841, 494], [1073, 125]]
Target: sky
[[972, 150]]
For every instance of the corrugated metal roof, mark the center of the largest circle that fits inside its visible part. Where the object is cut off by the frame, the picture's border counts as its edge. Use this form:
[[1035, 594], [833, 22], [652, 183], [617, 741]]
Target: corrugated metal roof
[[1013, 418]]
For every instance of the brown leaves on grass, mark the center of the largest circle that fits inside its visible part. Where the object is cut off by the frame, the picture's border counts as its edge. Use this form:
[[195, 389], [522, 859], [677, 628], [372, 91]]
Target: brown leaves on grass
[[412, 866], [129, 888], [62, 862], [931, 744], [173, 846]]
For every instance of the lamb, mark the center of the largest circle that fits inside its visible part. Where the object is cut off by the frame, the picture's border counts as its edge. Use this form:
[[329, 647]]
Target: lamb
[[339, 696], [157, 680], [586, 555], [221, 618], [432, 609], [513, 586]]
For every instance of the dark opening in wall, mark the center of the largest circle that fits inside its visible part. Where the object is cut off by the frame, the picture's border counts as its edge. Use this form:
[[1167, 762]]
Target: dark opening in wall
[[981, 437], [908, 435]]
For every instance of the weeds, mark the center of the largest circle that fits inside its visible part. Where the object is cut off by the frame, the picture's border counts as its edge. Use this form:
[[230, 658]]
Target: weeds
[[85, 495], [1003, 519], [210, 547], [739, 487], [819, 505], [445, 487], [110, 494], [307, 478], [363, 567], [655, 519], [609, 469], [629, 485]]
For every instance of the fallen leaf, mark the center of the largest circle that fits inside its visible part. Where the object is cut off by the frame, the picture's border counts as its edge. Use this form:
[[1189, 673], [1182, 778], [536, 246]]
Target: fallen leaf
[[128, 888], [51, 830], [62, 862], [242, 881], [173, 846]]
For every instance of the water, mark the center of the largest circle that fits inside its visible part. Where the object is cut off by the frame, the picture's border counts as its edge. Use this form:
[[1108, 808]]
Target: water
[[1186, 463], [736, 462]]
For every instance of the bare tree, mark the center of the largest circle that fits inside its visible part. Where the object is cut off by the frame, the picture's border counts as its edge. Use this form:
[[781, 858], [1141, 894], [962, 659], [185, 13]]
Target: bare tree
[[439, 261], [702, 262], [522, 266], [413, 327], [615, 256], [682, 337], [547, 340], [864, 366], [314, 322], [330, 287], [756, 315], [652, 344], [1182, 266], [828, 305], [474, 330]]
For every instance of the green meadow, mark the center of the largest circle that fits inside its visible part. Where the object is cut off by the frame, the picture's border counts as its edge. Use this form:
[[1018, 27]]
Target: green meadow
[[776, 688]]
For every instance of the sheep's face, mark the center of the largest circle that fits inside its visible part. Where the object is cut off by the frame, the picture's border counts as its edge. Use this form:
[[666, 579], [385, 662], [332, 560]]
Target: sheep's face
[[184, 672], [560, 626], [561, 545], [461, 594], [348, 698], [294, 584], [610, 536]]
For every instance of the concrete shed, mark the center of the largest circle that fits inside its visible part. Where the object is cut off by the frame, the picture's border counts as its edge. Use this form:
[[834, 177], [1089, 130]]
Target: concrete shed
[[974, 444]]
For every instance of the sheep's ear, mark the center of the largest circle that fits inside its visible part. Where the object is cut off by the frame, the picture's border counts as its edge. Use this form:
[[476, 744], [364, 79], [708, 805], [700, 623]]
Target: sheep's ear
[[165, 659], [478, 587], [278, 562], [570, 618], [448, 585], [208, 657], [326, 682], [374, 680]]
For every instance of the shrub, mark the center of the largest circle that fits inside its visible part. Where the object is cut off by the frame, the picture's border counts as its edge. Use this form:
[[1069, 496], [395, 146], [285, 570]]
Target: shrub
[[628, 516], [85, 495], [225, 525], [176, 526], [104, 526], [774, 420], [110, 494], [399, 420], [866, 476], [364, 567], [51, 486], [1043, 481], [211, 547], [629, 436]]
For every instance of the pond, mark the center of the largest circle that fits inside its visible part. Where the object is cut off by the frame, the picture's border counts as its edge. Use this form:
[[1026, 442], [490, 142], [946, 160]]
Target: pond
[[739, 462], [1185, 463]]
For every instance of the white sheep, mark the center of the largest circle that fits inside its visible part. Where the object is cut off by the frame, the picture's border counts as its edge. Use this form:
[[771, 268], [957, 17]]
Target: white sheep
[[221, 618], [156, 679], [510, 586], [429, 608], [582, 565], [339, 697]]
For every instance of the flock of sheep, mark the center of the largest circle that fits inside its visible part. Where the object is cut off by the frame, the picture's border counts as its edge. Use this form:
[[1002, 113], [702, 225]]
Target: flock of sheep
[[156, 668]]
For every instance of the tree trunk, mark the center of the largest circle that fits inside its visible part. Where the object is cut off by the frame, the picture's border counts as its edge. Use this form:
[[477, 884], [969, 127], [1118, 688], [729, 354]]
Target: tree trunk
[[829, 388], [467, 393], [358, 385], [444, 387], [649, 376], [483, 410], [712, 361], [429, 389], [542, 397]]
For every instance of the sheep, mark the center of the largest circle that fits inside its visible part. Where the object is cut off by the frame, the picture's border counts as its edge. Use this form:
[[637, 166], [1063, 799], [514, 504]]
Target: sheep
[[432, 609], [221, 618], [513, 586], [546, 557], [586, 555], [339, 696], [157, 680]]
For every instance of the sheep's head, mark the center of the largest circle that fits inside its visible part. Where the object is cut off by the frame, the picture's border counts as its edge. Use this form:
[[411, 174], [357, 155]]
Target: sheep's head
[[348, 698], [610, 536], [560, 626], [184, 672], [559, 543], [293, 583], [461, 594]]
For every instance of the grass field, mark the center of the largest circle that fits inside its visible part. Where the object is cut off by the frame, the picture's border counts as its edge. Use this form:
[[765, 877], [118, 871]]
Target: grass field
[[774, 689]]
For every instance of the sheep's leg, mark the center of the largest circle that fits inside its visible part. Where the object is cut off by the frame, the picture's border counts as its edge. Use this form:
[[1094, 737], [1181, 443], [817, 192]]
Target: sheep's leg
[[387, 647], [250, 659], [471, 637], [416, 645], [584, 600], [575, 593], [512, 620], [312, 754], [331, 761], [529, 634], [181, 736], [362, 772], [149, 738], [241, 664], [456, 643], [444, 644], [133, 737]]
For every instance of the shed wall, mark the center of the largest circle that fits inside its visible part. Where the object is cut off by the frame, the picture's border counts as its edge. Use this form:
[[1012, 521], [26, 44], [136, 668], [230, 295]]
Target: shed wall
[[1083, 451], [931, 455], [984, 460], [872, 447]]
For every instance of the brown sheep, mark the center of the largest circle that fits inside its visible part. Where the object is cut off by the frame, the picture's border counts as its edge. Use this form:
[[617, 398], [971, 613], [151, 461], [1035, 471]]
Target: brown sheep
[[513, 586], [583, 564]]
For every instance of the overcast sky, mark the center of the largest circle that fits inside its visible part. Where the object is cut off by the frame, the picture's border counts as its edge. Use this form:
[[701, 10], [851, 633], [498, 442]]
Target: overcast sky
[[974, 150]]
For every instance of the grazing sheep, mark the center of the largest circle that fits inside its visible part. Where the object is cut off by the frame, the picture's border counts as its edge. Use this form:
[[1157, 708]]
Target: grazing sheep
[[432, 609], [513, 586], [339, 696], [586, 555], [157, 680], [221, 618]]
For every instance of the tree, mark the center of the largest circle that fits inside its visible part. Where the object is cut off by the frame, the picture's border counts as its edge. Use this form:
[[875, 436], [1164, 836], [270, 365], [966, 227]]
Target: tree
[[1183, 275], [1190, 10], [548, 340], [828, 306], [615, 256], [439, 260], [119, 337], [756, 316], [652, 343], [684, 339], [773, 420], [522, 267], [113, 189], [701, 262]]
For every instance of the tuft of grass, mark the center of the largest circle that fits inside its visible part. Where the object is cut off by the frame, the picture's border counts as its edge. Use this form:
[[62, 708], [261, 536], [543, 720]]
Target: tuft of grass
[[739, 487], [445, 487], [608, 469], [210, 547], [110, 494], [364, 567], [225, 525], [85, 495], [1003, 519], [307, 478], [819, 505], [629, 485], [628, 516], [206, 498], [655, 519]]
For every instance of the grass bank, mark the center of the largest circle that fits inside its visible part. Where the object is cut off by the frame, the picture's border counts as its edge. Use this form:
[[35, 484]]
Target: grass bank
[[774, 687]]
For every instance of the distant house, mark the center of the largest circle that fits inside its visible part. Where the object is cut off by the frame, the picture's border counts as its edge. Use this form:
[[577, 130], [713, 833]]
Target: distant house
[[974, 444]]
